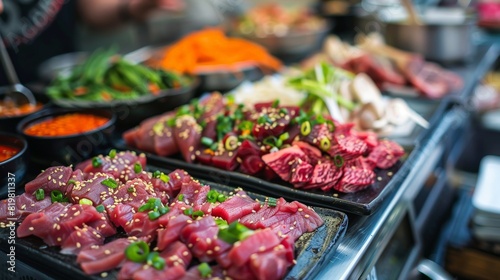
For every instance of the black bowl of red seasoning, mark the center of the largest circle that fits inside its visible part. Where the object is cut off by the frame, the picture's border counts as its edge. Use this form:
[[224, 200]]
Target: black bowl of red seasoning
[[67, 136], [13, 162]]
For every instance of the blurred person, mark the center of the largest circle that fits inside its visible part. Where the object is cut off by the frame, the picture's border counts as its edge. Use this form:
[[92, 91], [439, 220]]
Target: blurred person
[[35, 30]]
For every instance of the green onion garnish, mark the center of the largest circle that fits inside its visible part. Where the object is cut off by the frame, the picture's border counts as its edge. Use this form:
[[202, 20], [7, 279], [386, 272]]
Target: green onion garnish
[[275, 103], [270, 141], [137, 252], [205, 270], [180, 197], [163, 210], [110, 183], [171, 122], [157, 174], [130, 189], [145, 207], [325, 144], [137, 168], [284, 111], [338, 160], [221, 198], [85, 201], [206, 141], [197, 214], [188, 212], [159, 263], [100, 208], [164, 177], [153, 215], [245, 125], [305, 128], [212, 196], [261, 120], [112, 153], [96, 162], [271, 202], [234, 232], [40, 194], [56, 196], [71, 182]]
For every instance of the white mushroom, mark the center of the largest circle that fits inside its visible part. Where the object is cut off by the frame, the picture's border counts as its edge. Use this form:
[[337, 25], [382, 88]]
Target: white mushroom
[[370, 118]]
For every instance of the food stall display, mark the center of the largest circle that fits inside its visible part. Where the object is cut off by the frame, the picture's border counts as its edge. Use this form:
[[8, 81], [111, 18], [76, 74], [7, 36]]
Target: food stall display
[[213, 158]]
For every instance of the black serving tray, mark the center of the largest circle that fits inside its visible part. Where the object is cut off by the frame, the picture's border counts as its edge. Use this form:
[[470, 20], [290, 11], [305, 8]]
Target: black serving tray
[[312, 250], [364, 202]]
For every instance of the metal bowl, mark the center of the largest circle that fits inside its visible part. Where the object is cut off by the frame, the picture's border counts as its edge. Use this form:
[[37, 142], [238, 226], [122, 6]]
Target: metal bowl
[[293, 43]]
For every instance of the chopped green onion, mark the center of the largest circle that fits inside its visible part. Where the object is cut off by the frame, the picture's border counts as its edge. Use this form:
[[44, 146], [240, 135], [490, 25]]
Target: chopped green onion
[[221, 198], [284, 136], [325, 144], [230, 99], [151, 257], [110, 183], [137, 252], [112, 153], [163, 210], [159, 263], [261, 120], [275, 103], [40, 194], [153, 215], [234, 232], [245, 125], [231, 143], [305, 128], [270, 141], [212, 196], [188, 212], [284, 111], [206, 141], [171, 122], [130, 189], [214, 146], [197, 214], [272, 202], [164, 177], [56, 196], [205, 270], [137, 168], [203, 123], [184, 110], [85, 201], [145, 207], [100, 208], [180, 197], [157, 174], [221, 223], [338, 160], [96, 162], [71, 182], [331, 125]]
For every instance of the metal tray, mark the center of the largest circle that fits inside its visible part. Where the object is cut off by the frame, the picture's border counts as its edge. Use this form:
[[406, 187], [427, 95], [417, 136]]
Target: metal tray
[[312, 250]]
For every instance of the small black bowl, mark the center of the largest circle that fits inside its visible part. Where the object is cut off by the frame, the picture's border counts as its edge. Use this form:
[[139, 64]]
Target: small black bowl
[[70, 149], [12, 170]]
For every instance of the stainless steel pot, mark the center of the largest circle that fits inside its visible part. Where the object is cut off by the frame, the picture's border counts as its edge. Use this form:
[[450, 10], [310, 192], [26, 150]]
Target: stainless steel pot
[[438, 40]]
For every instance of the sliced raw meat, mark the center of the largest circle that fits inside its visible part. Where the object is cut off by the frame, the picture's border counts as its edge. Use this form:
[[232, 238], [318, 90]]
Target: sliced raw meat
[[324, 174], [21, 206], [318, 132], [282, 160], [302, 172], [79, 239], [96, 259], [92, 189], [172, 230], [120, 214], [130, 136], [259, 241], [187, 135], [200, 236], [192, 192], [119, 166], [271, 264], [141, 226], [349, 147], [211, 105], [252, 165], [146, 139], [168, 273], [225, 160], [355, 179], [235, 207], [53, 178], [313, 154], [386, 154]]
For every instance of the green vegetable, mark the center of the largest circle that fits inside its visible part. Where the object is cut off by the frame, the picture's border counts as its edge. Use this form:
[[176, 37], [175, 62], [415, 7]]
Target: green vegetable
[[197, 214], [137, 252], [96, 162], [275, 103], [39, 194], [231, 143], [206, 141], [205, 270], [188, 212], [180, 197], [100, 208], [110, 183], [324, 144], [56, 196], [233, 232], [153, 215], [271, 202], [245, 125], [112, 153], [305, 128], [137, 168], [71, 182], [338, 160], [85, 201]]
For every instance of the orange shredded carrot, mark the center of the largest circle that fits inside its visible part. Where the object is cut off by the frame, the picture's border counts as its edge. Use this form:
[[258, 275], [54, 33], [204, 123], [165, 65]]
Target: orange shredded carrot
[[202, 50]]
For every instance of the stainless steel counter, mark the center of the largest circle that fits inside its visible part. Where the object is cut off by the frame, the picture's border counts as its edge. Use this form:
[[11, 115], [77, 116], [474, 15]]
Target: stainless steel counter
[[367, 237]]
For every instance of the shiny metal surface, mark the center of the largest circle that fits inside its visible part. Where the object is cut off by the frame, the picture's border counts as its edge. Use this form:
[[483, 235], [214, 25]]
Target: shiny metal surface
[[366, 236]]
